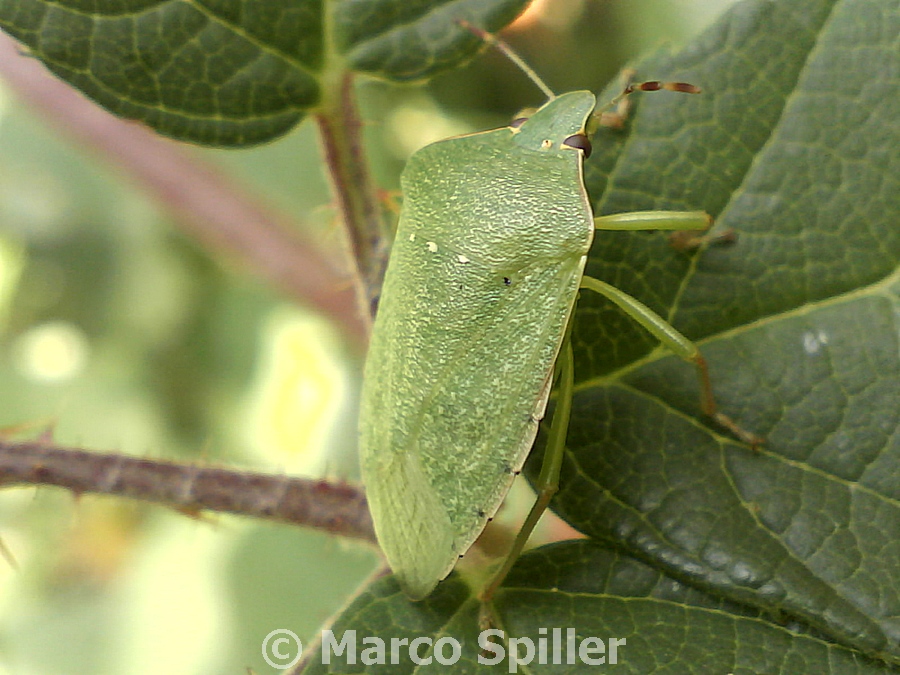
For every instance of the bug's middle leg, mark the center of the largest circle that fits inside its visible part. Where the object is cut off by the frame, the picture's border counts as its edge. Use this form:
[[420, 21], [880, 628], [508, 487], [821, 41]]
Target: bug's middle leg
[[669, 336]]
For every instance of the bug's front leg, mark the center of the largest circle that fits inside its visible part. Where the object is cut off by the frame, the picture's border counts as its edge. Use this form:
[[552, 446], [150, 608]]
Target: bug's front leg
[[690, 227]]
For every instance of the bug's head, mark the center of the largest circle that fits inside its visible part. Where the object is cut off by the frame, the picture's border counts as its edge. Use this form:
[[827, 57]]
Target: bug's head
[[559, 125]]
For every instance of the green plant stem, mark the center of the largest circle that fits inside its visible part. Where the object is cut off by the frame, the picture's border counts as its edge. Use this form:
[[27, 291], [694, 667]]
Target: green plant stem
[[340, 131]]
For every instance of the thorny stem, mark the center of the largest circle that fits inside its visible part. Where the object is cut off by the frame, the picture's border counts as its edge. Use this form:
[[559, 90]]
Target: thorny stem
[[206, 206], [340, 132], [227, 221], [338, 508]]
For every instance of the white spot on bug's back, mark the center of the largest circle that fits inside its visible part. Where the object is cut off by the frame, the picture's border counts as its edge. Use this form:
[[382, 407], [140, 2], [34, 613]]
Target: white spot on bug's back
[[412, 237], [463, 259], [813, 342], [547, 143], [432, 247]]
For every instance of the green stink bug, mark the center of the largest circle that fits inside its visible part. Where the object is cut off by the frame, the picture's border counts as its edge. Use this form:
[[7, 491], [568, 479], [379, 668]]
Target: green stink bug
[[482, 280]]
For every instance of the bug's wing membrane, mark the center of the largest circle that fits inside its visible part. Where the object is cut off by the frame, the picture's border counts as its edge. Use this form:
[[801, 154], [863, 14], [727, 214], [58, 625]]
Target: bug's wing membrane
[[414, 527]]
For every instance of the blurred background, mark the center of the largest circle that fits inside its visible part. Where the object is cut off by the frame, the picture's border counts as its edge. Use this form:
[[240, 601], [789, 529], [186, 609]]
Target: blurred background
[[123, 335]]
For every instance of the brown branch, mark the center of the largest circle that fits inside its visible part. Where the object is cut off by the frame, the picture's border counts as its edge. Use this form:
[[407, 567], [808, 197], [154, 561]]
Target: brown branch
[[338, 508], [207, 204], [340, 134]]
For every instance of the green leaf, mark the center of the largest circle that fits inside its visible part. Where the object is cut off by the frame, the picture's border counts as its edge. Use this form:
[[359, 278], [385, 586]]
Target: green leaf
[[667, 627], [795, 145], [224, 72], [405, 41]]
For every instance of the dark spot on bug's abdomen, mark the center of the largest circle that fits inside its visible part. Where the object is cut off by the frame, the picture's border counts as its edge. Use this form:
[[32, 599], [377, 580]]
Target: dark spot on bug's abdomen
[[511, 470], [507, 281], [481, 514]]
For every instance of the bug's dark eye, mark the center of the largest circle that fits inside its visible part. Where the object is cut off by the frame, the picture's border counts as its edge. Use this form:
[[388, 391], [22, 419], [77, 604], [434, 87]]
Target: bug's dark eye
[[581, 142], [519, 121]]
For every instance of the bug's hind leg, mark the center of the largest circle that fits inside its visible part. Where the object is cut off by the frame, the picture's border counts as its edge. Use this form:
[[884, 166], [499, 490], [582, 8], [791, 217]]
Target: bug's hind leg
[[663, 331], [547, 483]]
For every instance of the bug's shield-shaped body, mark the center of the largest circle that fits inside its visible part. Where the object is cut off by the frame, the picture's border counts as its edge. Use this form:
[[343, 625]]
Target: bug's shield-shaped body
[[486, 264]]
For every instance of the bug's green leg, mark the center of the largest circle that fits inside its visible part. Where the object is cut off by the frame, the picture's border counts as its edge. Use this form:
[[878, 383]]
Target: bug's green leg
[[655, 220], [663, 331], [547, 483], [690, 226], [690, 240]]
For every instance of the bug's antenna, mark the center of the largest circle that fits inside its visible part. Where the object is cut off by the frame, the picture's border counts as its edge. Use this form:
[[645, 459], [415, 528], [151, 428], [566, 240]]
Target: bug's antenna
[[605, 116], [509, 53]]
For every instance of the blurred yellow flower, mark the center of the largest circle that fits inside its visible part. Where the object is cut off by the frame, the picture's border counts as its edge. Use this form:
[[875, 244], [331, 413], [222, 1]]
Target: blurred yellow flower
[[301, 386]]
